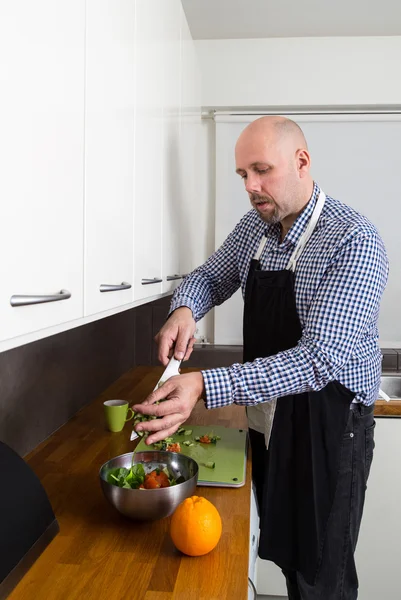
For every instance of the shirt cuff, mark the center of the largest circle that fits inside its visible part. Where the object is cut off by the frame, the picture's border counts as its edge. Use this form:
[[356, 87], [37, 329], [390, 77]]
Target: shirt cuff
[[218, 388], [183, 300]]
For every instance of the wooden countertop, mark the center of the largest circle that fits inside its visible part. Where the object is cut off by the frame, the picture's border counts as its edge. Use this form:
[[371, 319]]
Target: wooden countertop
[[388, 409], [99, 554]]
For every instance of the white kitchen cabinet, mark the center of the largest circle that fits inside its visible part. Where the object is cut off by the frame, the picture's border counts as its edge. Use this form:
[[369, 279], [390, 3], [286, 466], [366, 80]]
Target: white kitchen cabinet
[[98, 181], [269, 579], [265, 575], [109, 154], [172, 168], [190, 213], [253, 537], [41, 157], [148, 173], [166, 129]]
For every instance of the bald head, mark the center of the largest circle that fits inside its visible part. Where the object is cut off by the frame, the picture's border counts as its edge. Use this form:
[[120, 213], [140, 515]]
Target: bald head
[[272, 157], [275, 131]]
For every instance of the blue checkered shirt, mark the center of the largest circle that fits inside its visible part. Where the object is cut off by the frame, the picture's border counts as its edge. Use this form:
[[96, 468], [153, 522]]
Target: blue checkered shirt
[[339, 281]]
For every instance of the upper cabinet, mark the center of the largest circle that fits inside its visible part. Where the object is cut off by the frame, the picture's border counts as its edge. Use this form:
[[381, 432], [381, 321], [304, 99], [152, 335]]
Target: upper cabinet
[[41, 157], [191, 212], [148, 172], [109, 154], [98, 117], [172, 169], [167, 106]]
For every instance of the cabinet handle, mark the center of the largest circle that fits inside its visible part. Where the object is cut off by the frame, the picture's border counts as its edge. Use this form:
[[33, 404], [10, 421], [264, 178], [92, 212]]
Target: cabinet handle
[[150, 281], [106, 287], [26, 300], [174, 277]]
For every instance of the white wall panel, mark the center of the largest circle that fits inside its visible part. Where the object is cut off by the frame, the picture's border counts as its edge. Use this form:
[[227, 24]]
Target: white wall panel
[[356, 160]]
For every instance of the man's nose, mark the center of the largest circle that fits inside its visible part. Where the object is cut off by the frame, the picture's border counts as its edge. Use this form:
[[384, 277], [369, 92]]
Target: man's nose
[[252, 184]]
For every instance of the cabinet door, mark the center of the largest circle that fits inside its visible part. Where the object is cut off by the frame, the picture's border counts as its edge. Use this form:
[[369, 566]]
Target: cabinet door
[[192, 214], [172, 199], [109, 154], [148, 147], [41, 157]]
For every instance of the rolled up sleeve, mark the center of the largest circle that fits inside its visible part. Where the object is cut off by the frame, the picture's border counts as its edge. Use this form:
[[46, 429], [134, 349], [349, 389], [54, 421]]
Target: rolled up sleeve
[[346, 302]]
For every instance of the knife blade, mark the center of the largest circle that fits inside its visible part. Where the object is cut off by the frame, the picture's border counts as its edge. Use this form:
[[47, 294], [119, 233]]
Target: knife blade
[[171, 370]]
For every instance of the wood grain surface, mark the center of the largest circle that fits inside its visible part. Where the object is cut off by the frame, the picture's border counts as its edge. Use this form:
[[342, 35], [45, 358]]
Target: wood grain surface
[[388, 409], [101, 555]]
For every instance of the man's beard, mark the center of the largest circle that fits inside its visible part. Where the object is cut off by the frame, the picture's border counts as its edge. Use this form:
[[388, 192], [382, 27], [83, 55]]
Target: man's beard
[[267, 218]]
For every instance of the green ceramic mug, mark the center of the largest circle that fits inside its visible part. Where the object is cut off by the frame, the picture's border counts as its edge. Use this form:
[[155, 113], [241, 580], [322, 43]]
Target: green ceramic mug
[[116, 412]]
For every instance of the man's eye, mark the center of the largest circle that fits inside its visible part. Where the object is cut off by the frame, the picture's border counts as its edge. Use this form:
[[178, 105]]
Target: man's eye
[[243, 176], [261, 171]]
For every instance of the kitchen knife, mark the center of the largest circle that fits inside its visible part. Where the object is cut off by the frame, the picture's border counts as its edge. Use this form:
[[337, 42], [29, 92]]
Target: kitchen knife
[[171, 370]]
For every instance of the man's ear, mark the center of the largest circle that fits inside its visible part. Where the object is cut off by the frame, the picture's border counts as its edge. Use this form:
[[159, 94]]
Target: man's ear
[[303, 162]]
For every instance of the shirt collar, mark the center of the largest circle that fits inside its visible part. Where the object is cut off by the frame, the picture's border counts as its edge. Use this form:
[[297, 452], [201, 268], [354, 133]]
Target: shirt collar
[[299, 225]]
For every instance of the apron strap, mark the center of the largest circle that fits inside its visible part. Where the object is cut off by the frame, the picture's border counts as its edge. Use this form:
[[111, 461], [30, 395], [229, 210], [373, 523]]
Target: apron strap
[[262, 245], [307, 233], [304, 237]]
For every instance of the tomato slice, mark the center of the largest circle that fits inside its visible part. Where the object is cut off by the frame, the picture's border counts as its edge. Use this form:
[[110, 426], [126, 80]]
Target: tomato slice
[[151, 483], [162, 479], [205, 439], [174, 447]]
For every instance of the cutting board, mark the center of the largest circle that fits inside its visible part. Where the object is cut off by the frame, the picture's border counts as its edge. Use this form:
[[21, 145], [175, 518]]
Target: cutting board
[[229, 454]]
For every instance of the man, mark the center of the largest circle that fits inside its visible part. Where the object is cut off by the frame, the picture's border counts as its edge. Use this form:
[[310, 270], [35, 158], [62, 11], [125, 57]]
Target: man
[[312, 272]]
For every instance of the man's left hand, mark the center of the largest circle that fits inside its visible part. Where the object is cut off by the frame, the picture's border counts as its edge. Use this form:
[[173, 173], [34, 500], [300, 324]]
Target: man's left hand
[[180, 395]]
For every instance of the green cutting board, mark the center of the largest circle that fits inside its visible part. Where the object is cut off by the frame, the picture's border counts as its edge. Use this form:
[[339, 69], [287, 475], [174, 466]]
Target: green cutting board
[[229, 454]]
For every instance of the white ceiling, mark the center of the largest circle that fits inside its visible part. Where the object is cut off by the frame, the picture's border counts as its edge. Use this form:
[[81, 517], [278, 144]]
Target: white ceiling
[[225, 19]]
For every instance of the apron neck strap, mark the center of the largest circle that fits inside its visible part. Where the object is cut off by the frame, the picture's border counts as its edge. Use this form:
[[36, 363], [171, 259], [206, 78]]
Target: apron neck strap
[[262, 245], [307, 233], [304, 237]]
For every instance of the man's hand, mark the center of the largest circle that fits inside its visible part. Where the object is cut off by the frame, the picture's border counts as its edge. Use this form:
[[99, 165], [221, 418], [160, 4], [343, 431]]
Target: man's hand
[[177, 333], [180, 395]]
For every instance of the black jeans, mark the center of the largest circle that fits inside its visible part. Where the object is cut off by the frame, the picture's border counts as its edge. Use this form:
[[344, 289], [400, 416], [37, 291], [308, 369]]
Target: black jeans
[[337, 578]]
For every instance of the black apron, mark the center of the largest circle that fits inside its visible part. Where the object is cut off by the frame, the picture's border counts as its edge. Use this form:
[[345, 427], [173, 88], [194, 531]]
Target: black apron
[[296, 477]]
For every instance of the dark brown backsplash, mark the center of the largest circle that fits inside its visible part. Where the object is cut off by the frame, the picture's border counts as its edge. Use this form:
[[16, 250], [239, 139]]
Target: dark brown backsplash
[[45, 383]]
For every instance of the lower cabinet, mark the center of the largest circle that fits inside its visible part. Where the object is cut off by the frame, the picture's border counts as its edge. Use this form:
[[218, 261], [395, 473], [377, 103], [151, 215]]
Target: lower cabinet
[[253, 547], [270, 580]]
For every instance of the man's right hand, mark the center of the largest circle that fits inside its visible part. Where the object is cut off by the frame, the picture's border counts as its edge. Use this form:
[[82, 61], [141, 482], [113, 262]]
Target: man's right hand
[[178, 333]]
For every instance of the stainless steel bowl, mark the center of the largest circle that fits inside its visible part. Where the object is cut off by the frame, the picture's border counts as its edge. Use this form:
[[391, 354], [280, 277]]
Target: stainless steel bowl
[[149, 505]]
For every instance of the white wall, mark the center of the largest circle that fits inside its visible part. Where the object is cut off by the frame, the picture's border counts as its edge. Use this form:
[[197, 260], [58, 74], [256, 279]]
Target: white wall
[[300, 71], [288, 72]]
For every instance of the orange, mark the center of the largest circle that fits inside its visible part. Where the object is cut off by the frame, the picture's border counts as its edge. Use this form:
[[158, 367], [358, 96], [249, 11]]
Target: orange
[[195, 526]]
